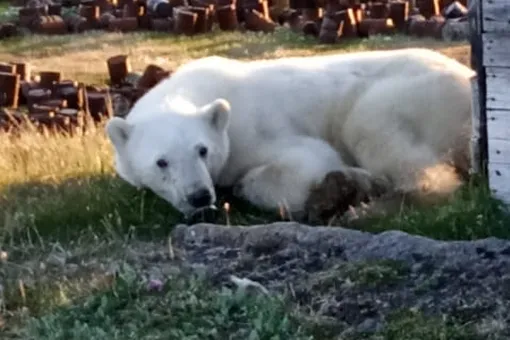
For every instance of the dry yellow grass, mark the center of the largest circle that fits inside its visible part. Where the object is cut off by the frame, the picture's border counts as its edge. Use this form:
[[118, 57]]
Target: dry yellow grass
[[52, 159]]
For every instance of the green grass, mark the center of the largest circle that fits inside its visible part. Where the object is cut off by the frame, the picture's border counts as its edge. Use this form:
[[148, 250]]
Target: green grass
[[473, 214], [187, 307], [105, 205], [6, 13], [58, 188], [410, 325], [4, 5], [62, 192]]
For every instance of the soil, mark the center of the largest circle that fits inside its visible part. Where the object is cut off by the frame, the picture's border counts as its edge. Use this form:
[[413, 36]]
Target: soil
[[356, 279]]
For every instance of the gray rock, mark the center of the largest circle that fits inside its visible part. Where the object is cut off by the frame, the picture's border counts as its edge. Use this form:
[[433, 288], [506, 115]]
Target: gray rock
[[355, 277]]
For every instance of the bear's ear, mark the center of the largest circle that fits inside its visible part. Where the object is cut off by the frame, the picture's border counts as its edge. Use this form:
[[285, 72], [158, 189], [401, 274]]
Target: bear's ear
[[118, 130], [218, 114]]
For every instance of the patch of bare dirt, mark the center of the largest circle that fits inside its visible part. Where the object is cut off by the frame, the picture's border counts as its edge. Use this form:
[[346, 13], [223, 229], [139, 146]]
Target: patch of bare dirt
[[357, 279]]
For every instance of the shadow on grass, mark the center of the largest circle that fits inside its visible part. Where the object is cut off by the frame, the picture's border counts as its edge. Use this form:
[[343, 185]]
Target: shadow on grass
[[37, 44], [104, 205], [473, 214], [99, 205], [252, 45]]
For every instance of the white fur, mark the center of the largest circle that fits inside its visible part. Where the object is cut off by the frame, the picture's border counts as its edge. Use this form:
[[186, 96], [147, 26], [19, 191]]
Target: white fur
[[290, 121]]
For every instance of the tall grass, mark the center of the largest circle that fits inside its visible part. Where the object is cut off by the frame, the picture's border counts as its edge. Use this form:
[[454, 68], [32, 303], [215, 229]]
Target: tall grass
[[59, 187]]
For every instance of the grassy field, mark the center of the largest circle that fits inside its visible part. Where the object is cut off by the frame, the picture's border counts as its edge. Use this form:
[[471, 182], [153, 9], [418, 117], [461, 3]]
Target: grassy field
[[60, 199]]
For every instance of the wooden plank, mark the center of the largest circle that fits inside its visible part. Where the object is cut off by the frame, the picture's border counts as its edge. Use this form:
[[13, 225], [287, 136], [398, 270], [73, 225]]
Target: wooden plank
[[475, 33], [476, 162], [498, 124], [496, 15], [496, 49], [499, 181], [499, 151], [475, 38], [485, 2], [498, 88]]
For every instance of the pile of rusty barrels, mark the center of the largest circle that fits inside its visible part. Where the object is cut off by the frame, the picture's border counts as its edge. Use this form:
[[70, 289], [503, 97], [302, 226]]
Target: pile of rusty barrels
[[51, 102], [176, 16], [335, 20], [328, 20]]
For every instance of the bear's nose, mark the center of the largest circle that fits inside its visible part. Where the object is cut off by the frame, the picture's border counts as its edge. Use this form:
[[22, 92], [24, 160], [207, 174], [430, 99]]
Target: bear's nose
[[200, 198]]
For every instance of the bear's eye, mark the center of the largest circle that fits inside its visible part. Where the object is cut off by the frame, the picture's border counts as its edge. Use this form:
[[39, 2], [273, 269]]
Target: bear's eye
[[162, 163], [202, 151]]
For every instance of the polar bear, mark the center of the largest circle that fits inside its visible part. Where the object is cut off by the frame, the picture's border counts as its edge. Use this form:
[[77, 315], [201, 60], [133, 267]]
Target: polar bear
[[273, 129]]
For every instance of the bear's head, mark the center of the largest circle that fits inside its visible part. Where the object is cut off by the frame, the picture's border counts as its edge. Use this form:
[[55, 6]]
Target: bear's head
[[177, 155]]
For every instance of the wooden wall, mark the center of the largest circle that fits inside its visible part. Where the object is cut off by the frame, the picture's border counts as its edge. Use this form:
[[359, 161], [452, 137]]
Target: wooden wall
[[490, 24]]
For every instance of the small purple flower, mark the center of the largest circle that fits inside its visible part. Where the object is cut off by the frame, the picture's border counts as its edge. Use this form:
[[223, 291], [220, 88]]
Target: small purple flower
[[155, 285]]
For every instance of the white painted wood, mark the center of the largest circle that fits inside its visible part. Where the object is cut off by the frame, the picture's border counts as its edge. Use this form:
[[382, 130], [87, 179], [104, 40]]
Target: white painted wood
[[499, 151], [485, 2], [498, 124], [496, 15], [475, 126], [495, 18], [496, 48], [499, 181], [498, 87]]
